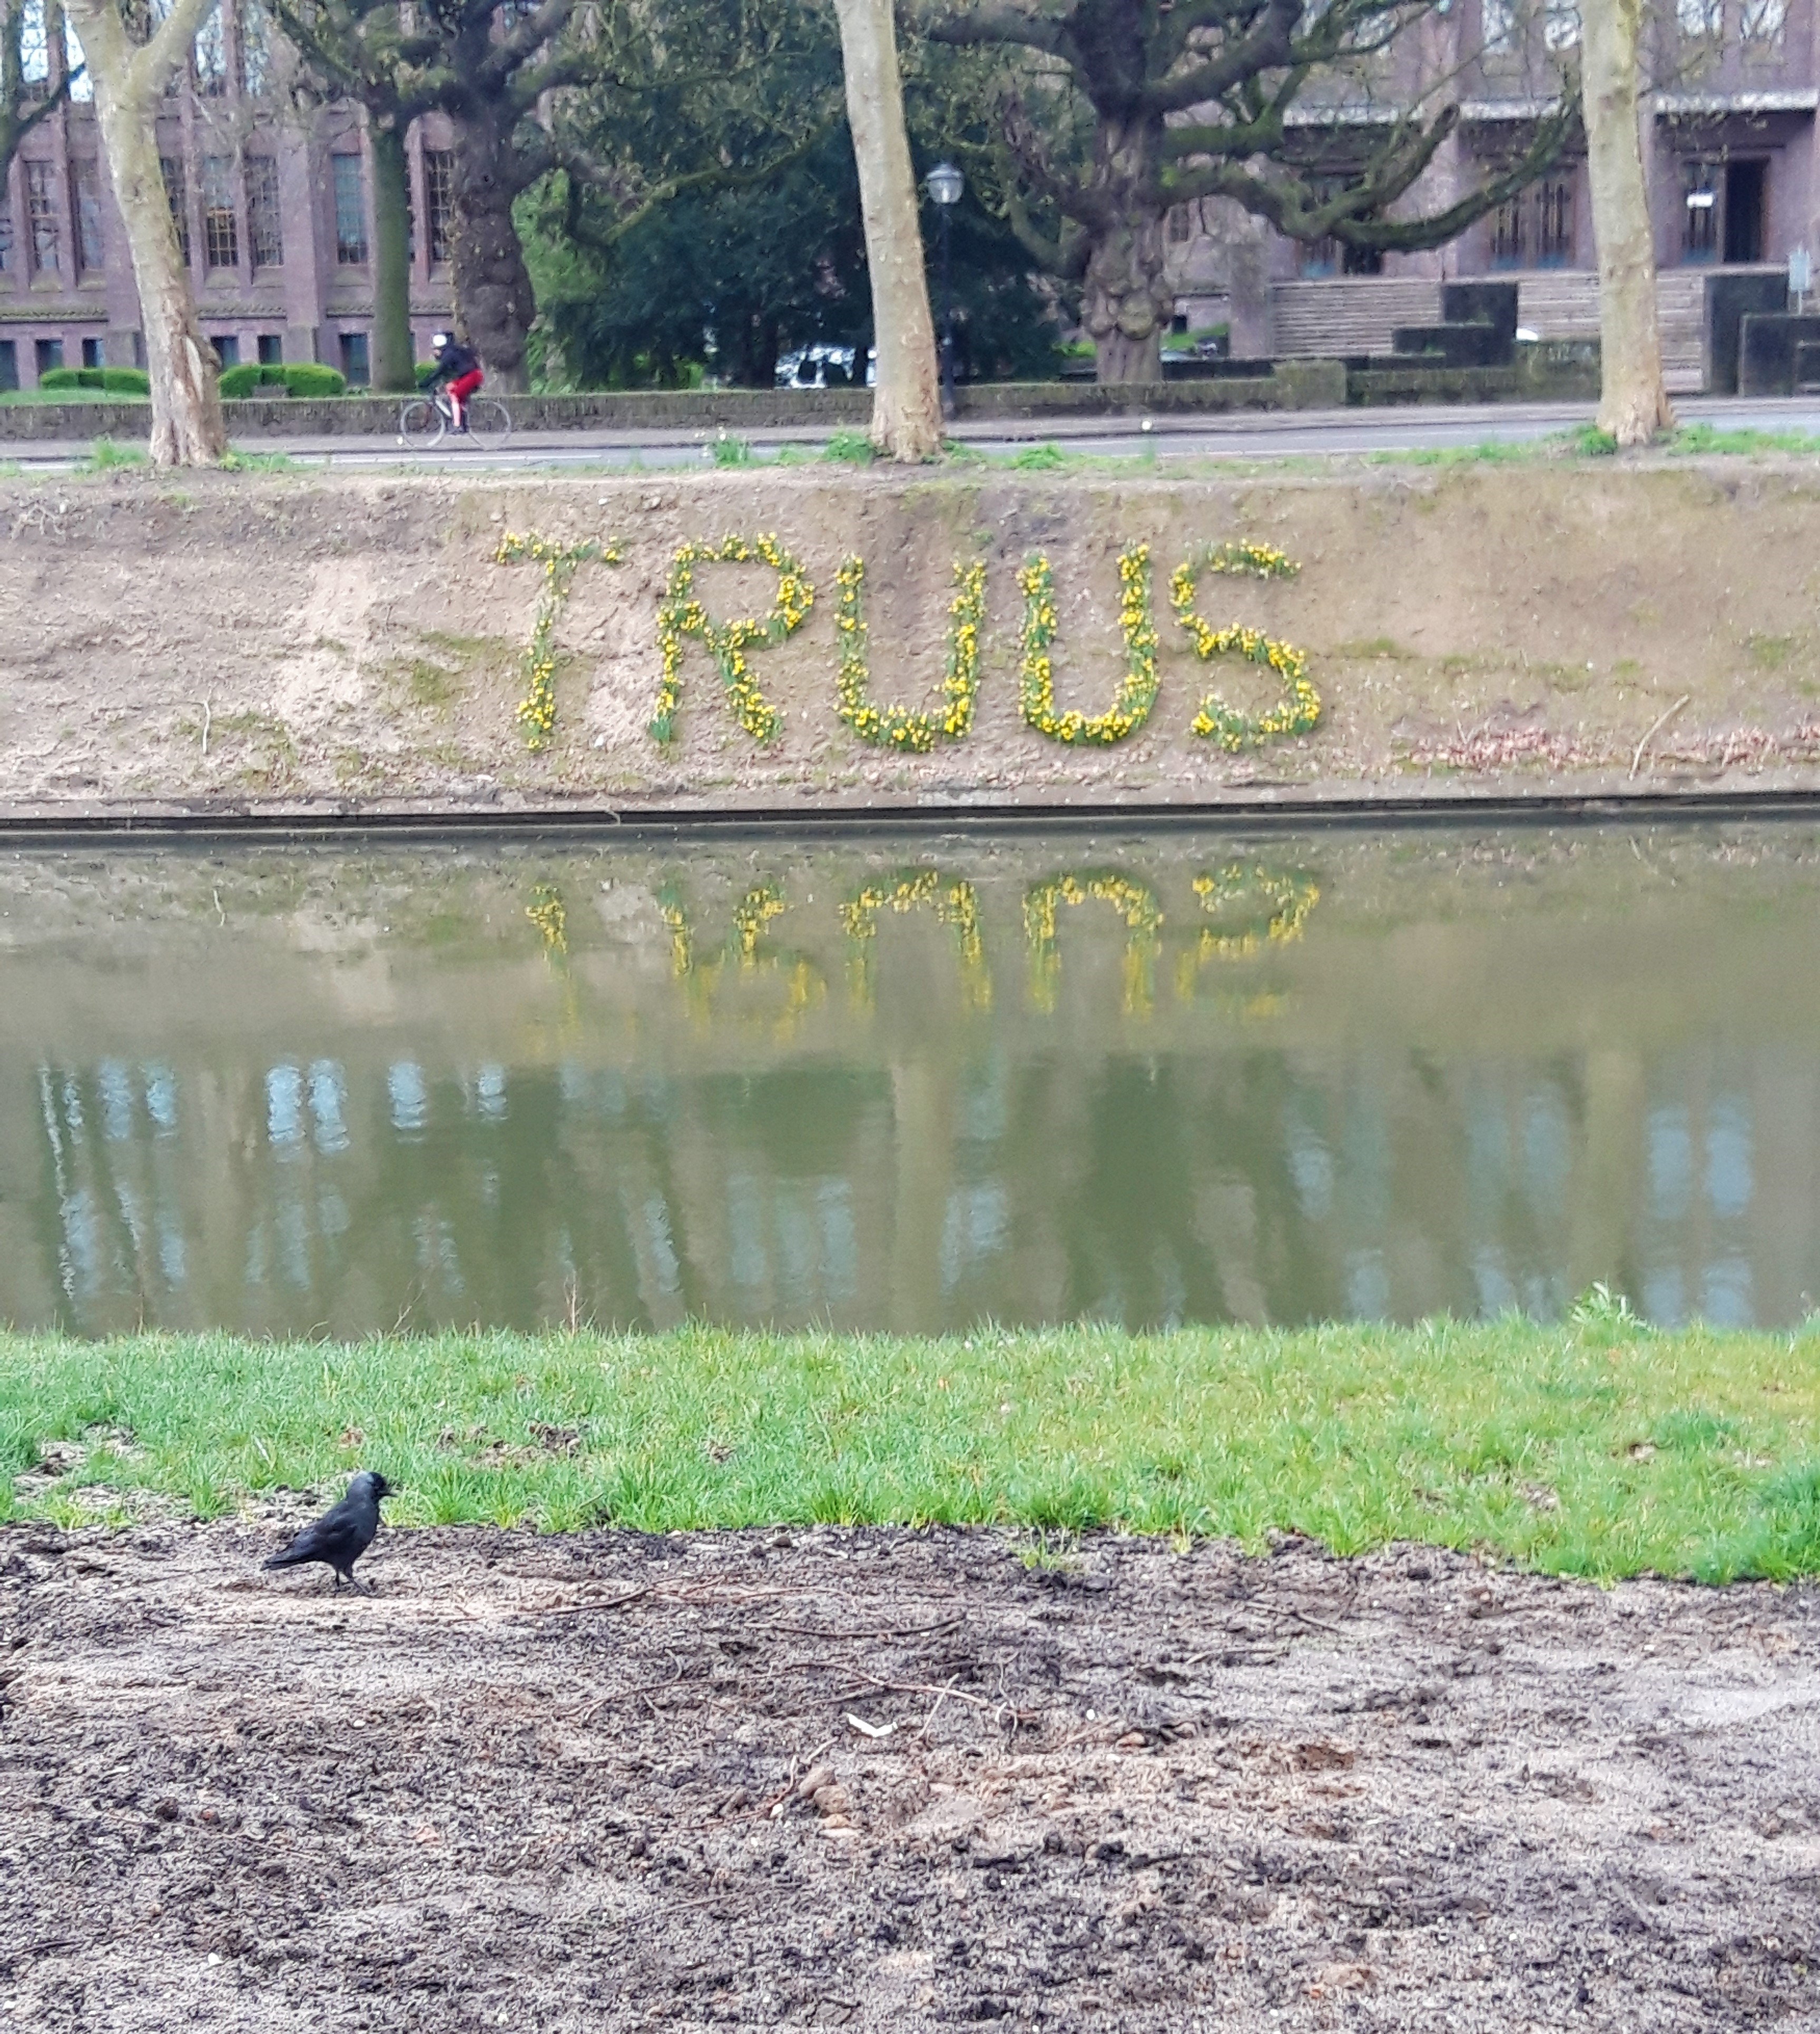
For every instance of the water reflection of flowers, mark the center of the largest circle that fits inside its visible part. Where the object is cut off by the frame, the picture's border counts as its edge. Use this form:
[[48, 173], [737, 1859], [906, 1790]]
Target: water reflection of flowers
[[545, 911], [1136, 903], [955, 906], [1285, 899], [804, 983]]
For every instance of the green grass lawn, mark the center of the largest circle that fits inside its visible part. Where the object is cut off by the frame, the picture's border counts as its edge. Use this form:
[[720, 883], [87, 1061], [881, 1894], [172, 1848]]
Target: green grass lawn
[[15, 397], [1593, 1447]]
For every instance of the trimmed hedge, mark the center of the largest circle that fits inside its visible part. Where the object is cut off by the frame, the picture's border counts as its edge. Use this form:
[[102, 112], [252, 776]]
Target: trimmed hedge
[[300, 378], [112, 380]]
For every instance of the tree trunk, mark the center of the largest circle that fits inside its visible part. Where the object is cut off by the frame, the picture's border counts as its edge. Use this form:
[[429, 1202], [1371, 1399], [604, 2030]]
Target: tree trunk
[[906, 417], [1633, 404], [394, 361], [1126, 304], [494, 301], [187, 428]]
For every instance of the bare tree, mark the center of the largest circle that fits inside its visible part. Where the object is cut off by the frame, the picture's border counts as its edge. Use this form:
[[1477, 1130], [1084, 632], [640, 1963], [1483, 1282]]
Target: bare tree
[[1211, 97], [129, 55], [1633, 402], [906, 421]]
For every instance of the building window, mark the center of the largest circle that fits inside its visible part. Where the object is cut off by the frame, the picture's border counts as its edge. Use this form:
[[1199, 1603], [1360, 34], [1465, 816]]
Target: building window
[[272, 349], [264, 226], [1761, 24], [8, 366], [6, 236], [50, 356], [177, 192], [76, 66], [439, 193], [91, 353], [1561, 24], [227, 348], [34, 49], [1555, 223], [255, 49], [1509, 241], [350, 211], [354, 359], [221, 222], [212, 56], [1700, 233], [1497, 26], [1700, 20], [41, 218], [85, 204]]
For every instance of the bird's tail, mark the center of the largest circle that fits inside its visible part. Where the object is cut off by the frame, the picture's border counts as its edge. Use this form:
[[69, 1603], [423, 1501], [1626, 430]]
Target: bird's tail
[[291, 1558]]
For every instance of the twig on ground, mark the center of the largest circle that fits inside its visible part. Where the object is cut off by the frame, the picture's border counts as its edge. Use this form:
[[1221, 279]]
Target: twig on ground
[[886, 1631], [572, 1609], [1656, 727], [1319, 1623]]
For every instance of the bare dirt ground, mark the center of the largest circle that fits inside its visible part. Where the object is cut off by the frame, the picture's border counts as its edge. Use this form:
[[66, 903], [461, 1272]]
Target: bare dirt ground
[[349, 644], [561, 1783]]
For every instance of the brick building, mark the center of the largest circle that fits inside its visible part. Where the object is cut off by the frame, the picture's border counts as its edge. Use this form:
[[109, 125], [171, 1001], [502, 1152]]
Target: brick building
[[1732, 170], [274, 209]]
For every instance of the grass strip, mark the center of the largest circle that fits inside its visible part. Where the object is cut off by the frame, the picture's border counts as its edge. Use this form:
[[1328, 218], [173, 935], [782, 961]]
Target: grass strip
[[1593, 1447]]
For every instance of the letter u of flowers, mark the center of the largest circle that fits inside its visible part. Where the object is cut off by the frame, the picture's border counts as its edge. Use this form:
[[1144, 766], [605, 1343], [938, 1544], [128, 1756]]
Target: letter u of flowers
[[680, 615], [1299, 710], [1137, 692], [899, 726]]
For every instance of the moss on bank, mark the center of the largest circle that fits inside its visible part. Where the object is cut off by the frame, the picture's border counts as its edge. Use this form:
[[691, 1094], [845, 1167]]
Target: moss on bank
[[1595, 1447]]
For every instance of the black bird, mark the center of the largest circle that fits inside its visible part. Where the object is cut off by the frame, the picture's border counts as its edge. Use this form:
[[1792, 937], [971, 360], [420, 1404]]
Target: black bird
[[340, 1536]]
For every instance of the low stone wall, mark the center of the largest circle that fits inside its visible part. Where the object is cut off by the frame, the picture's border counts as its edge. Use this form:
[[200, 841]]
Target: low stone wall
[[349, 644], [1289, 384], [1545, 370]]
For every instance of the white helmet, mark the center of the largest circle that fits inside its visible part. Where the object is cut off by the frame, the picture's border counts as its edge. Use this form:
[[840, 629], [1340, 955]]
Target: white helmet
[[439, 340]]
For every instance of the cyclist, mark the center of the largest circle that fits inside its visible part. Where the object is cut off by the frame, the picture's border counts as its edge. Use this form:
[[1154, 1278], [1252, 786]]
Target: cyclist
[[458, 367]]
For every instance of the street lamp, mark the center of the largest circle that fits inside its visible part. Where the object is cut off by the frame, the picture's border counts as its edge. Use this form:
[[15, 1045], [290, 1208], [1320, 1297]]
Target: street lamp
[[944, 184]]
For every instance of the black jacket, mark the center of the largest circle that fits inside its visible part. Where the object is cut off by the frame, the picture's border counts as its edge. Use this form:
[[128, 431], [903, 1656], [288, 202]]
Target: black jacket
[[452, 362]]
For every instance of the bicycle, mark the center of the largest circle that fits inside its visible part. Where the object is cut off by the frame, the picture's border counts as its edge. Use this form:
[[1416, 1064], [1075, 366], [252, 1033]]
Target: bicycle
[[426, 421]]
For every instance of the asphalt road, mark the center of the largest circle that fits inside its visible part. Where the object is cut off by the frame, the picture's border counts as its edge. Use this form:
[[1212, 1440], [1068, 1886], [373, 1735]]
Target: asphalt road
[[1264, 435]]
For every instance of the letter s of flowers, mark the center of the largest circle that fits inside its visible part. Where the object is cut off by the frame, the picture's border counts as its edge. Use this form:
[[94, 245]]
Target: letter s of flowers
[[1137, 693], [1299, 710], [899, 726], [537, 710], [680, 615]]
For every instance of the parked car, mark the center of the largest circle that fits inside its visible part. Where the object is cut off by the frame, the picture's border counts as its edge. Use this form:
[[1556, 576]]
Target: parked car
[[807, 367]]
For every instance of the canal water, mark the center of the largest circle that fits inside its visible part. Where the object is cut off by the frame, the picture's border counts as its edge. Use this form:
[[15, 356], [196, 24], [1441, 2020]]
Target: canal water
[[912, 1083]]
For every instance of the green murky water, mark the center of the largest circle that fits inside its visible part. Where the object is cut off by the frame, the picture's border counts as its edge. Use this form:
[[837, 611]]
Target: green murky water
[[911, 1083]]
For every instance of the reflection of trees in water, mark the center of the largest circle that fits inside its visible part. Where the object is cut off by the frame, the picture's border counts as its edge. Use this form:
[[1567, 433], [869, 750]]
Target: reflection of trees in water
[[1342, 1156]]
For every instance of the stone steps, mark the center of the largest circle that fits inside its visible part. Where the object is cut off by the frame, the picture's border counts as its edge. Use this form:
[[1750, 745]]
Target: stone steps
[[1352, 314]]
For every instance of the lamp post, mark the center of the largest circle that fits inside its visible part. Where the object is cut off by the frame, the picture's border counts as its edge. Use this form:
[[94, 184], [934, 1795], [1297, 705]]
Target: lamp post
[[944, 184]]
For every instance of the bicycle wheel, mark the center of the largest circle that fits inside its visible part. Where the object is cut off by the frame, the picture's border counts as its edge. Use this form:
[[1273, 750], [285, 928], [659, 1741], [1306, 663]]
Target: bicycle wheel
[[489, 424], [421, 424]]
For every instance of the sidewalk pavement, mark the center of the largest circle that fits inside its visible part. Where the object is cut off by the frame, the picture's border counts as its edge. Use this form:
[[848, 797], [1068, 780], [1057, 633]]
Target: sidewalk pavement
[[1259, 431]]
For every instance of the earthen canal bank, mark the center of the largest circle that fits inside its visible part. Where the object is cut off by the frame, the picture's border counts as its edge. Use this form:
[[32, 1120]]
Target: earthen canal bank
[[217, 645]]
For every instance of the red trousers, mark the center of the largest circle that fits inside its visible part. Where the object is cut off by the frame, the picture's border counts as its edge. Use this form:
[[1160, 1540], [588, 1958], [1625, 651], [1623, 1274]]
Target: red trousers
[[461, 387]]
